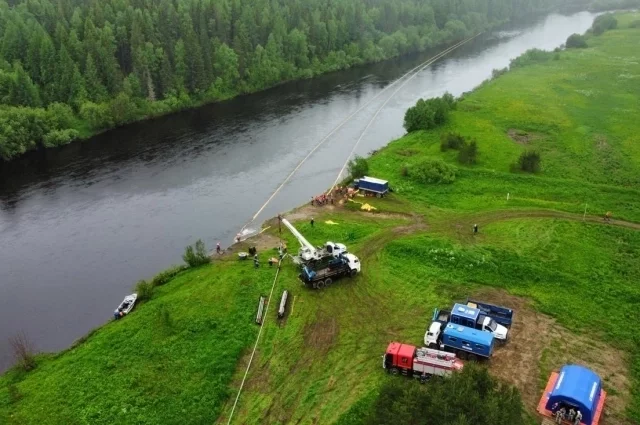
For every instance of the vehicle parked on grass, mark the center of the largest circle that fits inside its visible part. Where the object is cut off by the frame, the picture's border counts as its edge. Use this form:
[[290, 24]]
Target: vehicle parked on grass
[[372, 186], [475, 318], [318, 278], [502, 315], [420, 363], [467, 343]]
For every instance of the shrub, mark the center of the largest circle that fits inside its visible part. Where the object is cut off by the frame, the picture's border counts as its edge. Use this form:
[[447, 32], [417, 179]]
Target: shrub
[[468, 153], [498, 72], [530, 57], [635, 24], [433, 171], [529, 161], [23, 351], [604, 23], [428, 114], [576, 41], [358, 167], [144, 290], [196, 257], [451, 141], [60, 137], [166, 275], [472, 396]]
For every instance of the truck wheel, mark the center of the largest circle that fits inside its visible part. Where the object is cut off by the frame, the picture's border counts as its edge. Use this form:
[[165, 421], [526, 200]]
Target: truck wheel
[[472, 357], [433, 346], [328, 281], [378, 195], [394, 371], [462, 355], [320, 284], [353, 272]]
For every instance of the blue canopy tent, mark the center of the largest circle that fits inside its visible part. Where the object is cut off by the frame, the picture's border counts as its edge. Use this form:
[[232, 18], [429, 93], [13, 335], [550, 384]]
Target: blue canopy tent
[[578, 387]]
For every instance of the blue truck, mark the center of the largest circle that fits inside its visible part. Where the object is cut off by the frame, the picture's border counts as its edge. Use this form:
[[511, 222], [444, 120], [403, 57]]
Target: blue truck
[[473, 317], [372, 185], [502, 315], [467, 343]]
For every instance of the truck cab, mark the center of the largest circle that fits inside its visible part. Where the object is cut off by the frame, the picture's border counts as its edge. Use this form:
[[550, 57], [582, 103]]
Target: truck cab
[[475, 318], [335, 249]]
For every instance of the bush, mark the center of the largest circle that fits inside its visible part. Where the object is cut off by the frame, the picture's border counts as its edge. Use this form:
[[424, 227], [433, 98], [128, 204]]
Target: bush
[[144, 290], [576, 41], [468, 153], [96, 115], [472, 396], [358, 167], [433, 171], [529, 161], [23, 351], [59, 137], [498, 72], [635, 24], [14, 393], [451, 141], [196, 257], [430, 113], [166, 275], [530, 57], [604, 23]]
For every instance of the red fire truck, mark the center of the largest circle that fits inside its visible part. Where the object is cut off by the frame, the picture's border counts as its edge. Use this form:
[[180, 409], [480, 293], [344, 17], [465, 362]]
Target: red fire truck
[[420, 363]]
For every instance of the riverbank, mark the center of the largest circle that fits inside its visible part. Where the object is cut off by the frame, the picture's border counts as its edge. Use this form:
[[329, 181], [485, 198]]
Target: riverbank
[[173, 359]]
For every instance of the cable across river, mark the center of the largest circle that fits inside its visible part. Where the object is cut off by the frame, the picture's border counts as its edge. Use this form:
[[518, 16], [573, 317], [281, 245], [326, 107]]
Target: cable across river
[[413, 71]]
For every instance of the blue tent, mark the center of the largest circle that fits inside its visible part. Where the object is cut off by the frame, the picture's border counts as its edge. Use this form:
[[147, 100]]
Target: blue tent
[[579, 387]]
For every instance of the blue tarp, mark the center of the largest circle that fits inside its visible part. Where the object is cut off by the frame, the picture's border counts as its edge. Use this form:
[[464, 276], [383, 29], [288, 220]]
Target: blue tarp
[[579, 387]]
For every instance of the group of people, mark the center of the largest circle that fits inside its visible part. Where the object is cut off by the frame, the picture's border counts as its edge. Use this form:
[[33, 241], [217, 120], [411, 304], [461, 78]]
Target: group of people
[[320, 200], [330, 197], [573, 416]]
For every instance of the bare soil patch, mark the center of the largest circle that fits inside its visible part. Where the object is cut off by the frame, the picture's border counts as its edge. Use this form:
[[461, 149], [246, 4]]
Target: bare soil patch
[[522, 137], [538, 345], [322, 334]]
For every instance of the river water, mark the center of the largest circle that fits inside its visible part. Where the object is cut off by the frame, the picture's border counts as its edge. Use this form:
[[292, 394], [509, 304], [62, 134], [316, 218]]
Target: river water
[[81, 224]]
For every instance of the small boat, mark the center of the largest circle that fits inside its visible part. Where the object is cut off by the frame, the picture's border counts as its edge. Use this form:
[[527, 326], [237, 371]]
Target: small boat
[[125, 306]]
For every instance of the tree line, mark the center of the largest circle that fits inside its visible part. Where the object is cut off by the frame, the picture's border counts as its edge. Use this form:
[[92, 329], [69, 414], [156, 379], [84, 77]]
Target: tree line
[[71, 68]]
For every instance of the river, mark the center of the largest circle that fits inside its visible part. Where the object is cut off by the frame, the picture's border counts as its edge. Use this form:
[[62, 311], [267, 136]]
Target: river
[[79, 225]]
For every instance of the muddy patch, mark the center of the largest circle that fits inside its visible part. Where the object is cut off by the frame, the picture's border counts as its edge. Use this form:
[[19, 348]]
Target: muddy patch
[[322, 334], [522, 137], [538, 345]]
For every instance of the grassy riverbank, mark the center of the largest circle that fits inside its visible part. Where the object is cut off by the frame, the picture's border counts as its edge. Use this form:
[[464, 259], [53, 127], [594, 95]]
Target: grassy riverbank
[[572, 279]]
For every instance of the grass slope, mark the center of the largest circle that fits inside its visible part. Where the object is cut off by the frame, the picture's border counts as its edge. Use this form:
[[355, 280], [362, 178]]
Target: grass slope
[[322, 363]]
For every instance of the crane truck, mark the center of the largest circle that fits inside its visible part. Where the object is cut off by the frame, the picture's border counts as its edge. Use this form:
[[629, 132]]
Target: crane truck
[[308, 252], [419, 363]]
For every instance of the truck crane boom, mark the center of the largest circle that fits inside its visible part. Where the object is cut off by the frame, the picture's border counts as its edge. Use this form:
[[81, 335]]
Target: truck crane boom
[[307, 251]]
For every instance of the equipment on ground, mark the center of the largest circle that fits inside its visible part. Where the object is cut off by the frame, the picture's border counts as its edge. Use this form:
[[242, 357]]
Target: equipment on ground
[[260, 314], [502, 315], [467, 343], [125, 306], [373, 186], [318, 278], [574, 387], [421, 363], [308, 252], [283, 304]]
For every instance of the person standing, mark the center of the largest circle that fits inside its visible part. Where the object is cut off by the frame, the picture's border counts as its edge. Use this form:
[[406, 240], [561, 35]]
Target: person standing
[[218, 249], [578, 418], [475, 229], [312, 221], [256, 264], [560, 415]]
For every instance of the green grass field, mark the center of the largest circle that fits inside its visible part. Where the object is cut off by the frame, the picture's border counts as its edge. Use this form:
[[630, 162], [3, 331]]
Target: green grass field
[[179, 358]]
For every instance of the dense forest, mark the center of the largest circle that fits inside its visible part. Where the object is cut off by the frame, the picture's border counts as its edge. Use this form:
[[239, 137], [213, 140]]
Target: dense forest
[[71, 68]]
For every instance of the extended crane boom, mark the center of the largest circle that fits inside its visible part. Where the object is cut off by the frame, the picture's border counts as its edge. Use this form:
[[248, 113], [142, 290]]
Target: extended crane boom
[[307, 251]]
